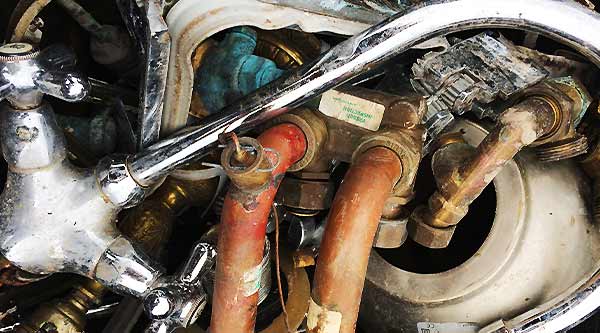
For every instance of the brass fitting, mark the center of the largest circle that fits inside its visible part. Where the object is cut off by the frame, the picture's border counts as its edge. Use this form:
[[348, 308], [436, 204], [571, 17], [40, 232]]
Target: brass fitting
[[247, 164], [315, 131], [150, 223], [544, 115], [572, 101], [407, 144], [305, 193], [66, 315], [298, 295], [286, 47], [405, 139], [421, 232], [335, 138]]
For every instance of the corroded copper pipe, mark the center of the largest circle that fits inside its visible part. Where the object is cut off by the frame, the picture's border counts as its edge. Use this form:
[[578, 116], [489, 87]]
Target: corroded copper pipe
[[242, 234], [462, 173], [346, 245], [518, 127]]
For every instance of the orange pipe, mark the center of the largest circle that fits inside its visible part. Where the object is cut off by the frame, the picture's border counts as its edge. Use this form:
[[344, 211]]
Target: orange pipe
[[351, 226], [242, 236]]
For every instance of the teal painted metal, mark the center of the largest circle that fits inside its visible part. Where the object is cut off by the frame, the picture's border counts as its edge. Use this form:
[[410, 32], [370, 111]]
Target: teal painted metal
[[231, 71]]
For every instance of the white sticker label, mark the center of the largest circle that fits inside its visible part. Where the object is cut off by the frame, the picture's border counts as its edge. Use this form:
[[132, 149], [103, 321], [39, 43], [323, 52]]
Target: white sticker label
[[447, 328], [352, 109], [326, 321], [252, 281]]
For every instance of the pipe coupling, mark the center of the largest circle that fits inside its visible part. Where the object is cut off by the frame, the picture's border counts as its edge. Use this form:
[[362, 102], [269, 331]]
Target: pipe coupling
[[246, 163], [117, 184], [315, 132], [407, 144]]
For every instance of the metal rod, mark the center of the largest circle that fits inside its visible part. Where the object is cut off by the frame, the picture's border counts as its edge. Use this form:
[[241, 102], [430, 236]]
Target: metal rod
[[564, 21]]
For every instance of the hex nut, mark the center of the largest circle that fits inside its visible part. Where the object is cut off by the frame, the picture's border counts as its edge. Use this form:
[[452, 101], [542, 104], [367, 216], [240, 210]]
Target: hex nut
[[306, 194], [315, 132], [391, 234], [426, 235]]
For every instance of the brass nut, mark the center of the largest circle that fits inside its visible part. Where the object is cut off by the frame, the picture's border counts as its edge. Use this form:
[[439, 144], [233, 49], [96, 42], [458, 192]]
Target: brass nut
[[426, 235], [442, 213], [315, 132], [252, 176], [407, 144], [306, 194], [390, 234]]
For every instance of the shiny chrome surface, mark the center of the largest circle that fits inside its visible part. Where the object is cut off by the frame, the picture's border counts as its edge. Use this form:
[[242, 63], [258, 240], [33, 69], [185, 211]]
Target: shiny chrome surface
[[56, 217], [563, 312], [126, 269], [565, 21], [179, 301], [31, 140], [116, 182], [45, 199], [26, 75]]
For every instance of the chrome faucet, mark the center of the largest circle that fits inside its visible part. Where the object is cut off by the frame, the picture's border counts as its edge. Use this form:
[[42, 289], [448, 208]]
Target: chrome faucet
[[54, 216]]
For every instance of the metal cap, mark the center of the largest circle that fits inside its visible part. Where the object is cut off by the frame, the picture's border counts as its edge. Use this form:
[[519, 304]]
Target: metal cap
[[17, 51]]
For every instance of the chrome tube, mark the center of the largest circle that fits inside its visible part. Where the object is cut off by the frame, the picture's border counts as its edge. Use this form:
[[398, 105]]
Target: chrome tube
[[557, 315], [562, 20]]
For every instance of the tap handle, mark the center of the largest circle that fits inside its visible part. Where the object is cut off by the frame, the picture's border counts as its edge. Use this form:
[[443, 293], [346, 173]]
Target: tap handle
[[201, 260], [27, 74], [179, 300], [66, 86], [58, 57]]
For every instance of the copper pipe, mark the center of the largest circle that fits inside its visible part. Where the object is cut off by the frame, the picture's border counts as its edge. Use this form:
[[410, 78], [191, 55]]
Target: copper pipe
[[462, 172], [518, 127], [351, 227], [243, 230]]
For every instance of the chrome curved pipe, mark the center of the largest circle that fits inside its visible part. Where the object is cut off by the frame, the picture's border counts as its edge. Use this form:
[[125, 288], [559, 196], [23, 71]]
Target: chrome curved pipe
[[562, 20], [557, 315]]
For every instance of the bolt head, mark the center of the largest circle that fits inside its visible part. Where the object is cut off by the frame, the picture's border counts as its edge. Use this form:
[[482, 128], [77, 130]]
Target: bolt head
[[158, 304]]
